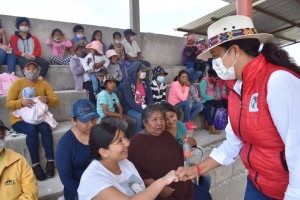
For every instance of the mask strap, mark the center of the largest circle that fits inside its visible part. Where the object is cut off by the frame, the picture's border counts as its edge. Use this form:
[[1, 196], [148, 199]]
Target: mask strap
[[226, 53], [261, 46], [235, 60]]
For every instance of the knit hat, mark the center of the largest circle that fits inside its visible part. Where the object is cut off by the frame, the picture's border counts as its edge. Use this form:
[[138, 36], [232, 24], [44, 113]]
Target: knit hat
[[229, 28], [28, 92], [158, 70], [20, 20]]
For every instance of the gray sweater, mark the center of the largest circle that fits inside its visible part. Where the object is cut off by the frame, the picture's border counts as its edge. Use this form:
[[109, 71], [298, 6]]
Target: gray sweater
[[193, 94], [115, 70]]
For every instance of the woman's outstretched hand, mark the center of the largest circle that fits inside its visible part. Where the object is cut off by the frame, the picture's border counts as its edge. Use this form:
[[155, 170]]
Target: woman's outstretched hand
[[170, 177], [186, 173]]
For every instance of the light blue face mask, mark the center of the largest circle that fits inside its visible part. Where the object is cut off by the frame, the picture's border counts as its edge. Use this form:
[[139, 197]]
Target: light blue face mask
[[161, 79]]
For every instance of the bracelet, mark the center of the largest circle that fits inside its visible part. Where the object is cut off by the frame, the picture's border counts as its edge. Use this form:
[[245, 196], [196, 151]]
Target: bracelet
[[198, 170]]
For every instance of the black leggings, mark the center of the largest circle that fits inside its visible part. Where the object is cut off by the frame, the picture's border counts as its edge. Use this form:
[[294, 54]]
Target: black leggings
[[214, 103], [44, 64], [89, 87]]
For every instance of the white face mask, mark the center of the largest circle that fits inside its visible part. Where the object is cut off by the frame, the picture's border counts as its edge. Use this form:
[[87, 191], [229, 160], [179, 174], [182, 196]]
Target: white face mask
[[222, 71], [143, 75], [117, 41], [1, 145], [57, 40], [80, 36], [24, 28], [131, 38]]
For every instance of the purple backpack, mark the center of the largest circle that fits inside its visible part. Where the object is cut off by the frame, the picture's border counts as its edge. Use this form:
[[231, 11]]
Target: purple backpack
[[221, 119]]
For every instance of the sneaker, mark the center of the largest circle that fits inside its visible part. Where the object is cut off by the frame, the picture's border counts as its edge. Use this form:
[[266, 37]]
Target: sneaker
[[50, 169], [188, 128], [192, 125], [39, 173]]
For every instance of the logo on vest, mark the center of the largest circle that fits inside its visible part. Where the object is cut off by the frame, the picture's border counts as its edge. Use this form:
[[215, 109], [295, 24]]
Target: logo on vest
[[10, 182], [253, 103]]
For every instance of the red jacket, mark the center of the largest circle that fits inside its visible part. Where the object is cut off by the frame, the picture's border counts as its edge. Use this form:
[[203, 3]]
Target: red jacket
[[263, 152], [31, 45]]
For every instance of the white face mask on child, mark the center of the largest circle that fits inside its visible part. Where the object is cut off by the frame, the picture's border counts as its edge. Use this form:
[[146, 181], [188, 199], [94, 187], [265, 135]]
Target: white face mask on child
[[24, 28], [80, 36], [117, 41]]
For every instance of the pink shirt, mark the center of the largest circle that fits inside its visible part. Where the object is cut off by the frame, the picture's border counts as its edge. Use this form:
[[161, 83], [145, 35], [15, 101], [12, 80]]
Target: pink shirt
[[140, 95], [177, 93], [58, 49]]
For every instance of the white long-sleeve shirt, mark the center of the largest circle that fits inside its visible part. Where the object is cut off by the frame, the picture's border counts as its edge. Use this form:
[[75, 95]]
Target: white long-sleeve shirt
[[283, 99], [98, 59]]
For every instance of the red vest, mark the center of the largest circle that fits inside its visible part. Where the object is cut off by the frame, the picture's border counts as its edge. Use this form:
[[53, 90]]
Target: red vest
[[263, 152]]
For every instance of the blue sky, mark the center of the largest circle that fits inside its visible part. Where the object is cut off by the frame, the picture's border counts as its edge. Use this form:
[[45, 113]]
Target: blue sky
[[156, 16]]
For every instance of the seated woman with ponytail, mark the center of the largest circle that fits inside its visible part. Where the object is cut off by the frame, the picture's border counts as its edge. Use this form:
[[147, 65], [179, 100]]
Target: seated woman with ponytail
[[263, 110], [178, 96]]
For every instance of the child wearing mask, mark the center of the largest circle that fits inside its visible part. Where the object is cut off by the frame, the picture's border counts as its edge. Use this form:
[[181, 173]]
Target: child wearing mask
[[79, 37], [158, 87], [38, 113], [190, 52], [113, 67], [58, 43], [97, 36], [95, 62]]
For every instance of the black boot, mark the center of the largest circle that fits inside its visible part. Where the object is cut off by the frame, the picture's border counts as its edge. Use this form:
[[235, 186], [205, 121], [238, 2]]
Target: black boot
[[39, 173], [50, 169]]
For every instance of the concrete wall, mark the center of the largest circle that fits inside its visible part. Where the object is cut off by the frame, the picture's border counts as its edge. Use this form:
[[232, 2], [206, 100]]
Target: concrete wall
[[158, 49]]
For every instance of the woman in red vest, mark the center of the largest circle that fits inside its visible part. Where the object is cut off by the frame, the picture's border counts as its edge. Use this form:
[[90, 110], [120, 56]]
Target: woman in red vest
[[263, 108]]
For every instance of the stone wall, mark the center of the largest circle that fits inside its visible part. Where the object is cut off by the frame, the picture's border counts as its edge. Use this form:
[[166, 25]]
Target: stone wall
[[156, 48]]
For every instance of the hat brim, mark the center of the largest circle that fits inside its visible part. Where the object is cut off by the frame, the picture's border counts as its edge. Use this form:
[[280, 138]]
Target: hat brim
[[262, 37], [117, 84], [31, 62], [87, 117], [78, 45]]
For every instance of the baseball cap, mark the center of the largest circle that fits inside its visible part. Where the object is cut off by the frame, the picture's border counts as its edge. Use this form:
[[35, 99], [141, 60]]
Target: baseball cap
[[84, 110], [129, 31], [3, 126], [27, 62], [78, 44], [143, 67]]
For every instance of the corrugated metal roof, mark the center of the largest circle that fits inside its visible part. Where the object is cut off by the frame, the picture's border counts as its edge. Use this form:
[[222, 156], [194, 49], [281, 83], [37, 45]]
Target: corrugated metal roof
[[268, 16]]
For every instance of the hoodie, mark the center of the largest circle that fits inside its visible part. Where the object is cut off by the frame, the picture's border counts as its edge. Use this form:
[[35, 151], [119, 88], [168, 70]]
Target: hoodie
[[31, 45], [177, 93], [129, 90]]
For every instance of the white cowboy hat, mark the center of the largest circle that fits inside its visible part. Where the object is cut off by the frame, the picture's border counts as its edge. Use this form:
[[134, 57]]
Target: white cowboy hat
[[232, 28]]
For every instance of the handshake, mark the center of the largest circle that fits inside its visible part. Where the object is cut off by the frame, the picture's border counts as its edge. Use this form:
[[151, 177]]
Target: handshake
[[181, 174]]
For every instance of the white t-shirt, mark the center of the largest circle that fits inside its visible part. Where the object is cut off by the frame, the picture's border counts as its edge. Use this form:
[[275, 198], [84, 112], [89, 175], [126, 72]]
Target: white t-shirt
[[131, 49], [97, 178], [86, 76]]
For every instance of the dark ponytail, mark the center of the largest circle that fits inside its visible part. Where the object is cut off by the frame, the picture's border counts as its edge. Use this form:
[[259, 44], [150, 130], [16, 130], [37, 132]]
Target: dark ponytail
[[180, 73], [271, 51]]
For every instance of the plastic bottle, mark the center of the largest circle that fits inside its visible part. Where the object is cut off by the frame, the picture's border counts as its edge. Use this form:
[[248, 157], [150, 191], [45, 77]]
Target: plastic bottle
[[187, 153]]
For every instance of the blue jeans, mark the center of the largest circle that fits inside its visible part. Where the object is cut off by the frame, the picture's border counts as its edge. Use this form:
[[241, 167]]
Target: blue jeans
[[253, 193], [32, 139], [95, 82], [207, 112], [206, 181], [9, 59], [190, 65], [137, 116], [190, 109]]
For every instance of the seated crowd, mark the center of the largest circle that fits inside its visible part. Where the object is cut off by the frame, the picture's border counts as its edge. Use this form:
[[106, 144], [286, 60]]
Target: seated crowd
[[123, 104]]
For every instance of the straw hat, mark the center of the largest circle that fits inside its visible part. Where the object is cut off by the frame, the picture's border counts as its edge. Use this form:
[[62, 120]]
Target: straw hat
[[232, 28], [96, 45]]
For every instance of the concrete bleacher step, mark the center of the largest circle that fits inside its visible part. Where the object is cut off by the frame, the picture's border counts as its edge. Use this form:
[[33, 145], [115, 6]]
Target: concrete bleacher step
[[51, 188], [61, 113], [18, 144], [59, 77]]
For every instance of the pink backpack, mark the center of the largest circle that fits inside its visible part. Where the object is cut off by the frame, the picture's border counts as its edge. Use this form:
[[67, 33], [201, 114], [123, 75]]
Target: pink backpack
[[5, 82]]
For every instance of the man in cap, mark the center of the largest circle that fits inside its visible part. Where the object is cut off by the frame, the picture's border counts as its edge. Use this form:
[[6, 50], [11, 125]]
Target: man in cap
[[132, 50]]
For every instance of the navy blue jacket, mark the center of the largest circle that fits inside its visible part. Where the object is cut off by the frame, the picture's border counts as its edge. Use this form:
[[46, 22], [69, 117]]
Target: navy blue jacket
[[129, 89]]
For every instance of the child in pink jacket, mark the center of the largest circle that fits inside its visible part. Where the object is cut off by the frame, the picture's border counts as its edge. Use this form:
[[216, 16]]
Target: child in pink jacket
[[178, 96], [58, 43], [38, 113]]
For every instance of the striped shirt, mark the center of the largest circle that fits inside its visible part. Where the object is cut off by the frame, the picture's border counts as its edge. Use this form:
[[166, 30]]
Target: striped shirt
[[159, 94]]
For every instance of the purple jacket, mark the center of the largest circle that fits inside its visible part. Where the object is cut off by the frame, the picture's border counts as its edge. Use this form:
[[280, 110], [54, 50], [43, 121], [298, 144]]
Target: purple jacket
[[78, 71]]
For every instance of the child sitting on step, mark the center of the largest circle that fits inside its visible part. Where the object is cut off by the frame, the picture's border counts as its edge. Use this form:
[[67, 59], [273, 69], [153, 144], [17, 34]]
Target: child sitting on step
[[58, 43], [95, 62], [38, 113]]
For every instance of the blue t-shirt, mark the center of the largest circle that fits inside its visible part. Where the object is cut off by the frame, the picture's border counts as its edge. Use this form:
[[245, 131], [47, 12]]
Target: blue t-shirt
[[111, 100], [181, 130], [72, 159]]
